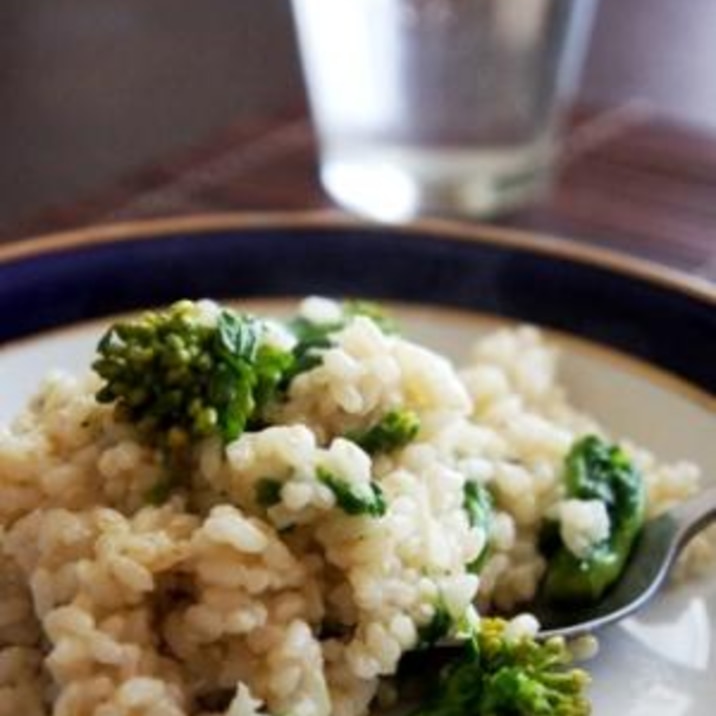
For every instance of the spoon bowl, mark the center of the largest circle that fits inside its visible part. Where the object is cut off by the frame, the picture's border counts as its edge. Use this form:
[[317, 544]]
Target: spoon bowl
[[654, 554]]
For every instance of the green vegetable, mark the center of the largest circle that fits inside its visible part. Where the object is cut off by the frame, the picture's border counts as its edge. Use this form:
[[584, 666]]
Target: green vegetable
[[394, 430], [268, 491], [499, 676], [372, 310], [271, 367], [350, 500], [477, 502], [313, 337], [437, 628], [179, 379], [595, 470], [317, 334]]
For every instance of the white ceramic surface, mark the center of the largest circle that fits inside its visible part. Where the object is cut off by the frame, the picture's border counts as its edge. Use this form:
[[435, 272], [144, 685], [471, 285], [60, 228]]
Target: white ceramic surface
[[662, 663]]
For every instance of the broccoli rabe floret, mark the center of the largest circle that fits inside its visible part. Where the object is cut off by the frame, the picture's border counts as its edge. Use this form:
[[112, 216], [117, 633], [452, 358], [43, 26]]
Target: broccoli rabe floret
[[498, 675], [394, 430], [478, 504], [181, 377], [595, 470], [314, 336], [350, 500], [372, 310], [318, 333], [437, 628]]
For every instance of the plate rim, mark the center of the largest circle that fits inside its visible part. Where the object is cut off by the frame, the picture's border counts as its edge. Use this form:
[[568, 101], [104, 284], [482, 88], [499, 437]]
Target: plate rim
[[541, 243]]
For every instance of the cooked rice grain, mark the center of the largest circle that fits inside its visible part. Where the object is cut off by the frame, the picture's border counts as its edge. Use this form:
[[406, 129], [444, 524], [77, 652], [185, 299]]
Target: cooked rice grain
[[216, 604]]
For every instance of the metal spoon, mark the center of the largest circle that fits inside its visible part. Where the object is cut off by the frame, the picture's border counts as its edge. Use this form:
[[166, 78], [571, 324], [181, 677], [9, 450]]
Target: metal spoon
[[654, 554]]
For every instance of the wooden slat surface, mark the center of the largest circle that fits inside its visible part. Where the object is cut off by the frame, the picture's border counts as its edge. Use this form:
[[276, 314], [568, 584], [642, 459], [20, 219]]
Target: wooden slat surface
[[92, 89], [637, 186]]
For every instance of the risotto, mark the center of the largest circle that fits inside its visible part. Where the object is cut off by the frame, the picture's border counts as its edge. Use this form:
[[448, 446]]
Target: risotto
[[288, 569]]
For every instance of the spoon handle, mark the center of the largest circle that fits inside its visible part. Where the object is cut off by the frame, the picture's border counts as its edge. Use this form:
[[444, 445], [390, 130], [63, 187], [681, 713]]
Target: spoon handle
[[693, 515]]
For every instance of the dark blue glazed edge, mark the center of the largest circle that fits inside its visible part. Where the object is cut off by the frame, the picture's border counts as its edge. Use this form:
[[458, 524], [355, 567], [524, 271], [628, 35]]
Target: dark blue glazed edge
[[671, 328]]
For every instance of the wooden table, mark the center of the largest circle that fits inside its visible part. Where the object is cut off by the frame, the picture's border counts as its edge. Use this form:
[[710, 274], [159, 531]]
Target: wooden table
[[630, 181]]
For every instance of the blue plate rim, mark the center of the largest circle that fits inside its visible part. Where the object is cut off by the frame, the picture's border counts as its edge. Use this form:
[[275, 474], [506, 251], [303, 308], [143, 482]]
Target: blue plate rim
[[522, 240], [648, 310]]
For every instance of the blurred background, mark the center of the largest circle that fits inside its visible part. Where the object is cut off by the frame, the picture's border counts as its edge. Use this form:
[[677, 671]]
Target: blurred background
[[93, 90]]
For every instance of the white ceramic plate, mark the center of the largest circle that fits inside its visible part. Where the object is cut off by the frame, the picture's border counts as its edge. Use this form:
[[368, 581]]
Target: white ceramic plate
[[660, 663]]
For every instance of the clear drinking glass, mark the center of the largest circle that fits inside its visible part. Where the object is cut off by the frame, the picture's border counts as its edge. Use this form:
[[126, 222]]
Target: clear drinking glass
[[439, 106]]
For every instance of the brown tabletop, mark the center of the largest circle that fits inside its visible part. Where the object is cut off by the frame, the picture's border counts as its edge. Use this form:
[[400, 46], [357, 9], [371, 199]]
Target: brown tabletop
[[631, 180], [628, 182]]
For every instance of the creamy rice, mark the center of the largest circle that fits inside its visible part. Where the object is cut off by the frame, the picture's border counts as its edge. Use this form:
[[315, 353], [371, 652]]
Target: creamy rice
[[213, 603]]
